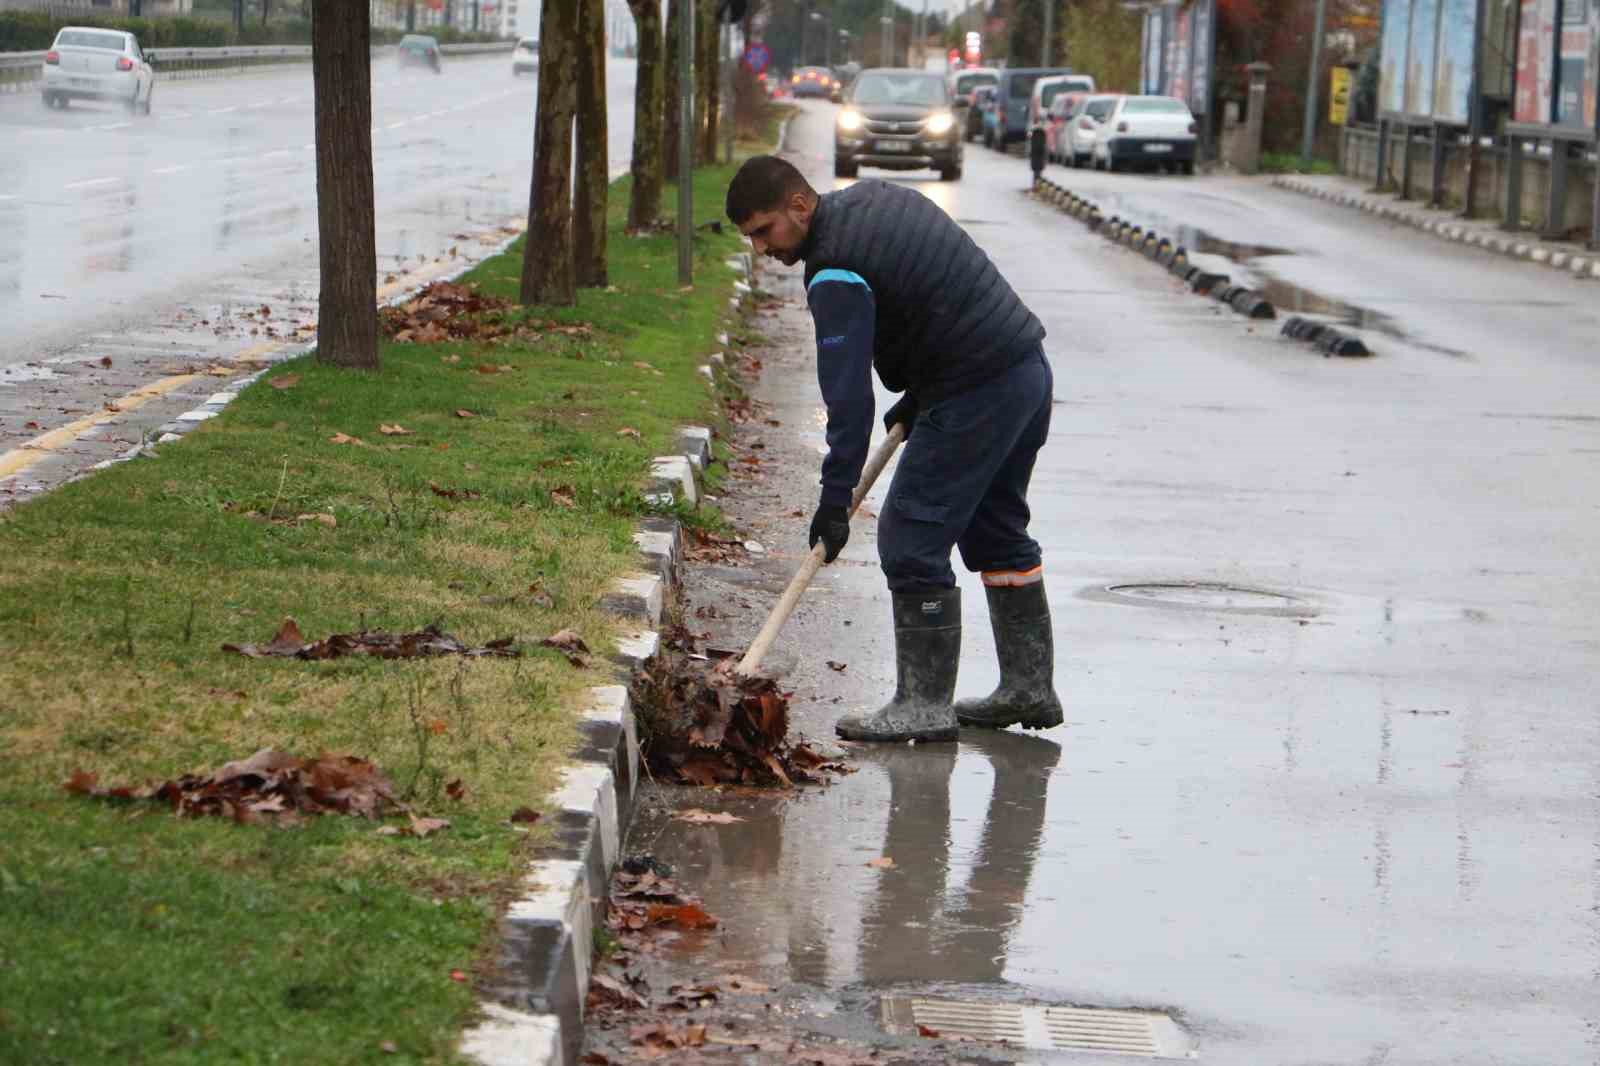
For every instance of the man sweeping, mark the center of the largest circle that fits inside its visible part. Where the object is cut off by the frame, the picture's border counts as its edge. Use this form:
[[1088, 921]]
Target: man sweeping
[[894, 284]]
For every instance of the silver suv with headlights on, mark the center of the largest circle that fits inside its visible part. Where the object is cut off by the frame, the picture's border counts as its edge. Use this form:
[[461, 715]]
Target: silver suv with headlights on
[[898, 120]]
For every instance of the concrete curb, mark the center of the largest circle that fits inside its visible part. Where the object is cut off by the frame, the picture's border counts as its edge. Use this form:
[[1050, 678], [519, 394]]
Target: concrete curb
[[534, 1015], [1578, 264]]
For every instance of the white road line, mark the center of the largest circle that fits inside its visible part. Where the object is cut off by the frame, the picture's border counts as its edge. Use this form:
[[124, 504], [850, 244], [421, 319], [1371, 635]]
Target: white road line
[[277, 154], [8, 196], [223, 111], [170, 170], [396, 125], [86, 183]]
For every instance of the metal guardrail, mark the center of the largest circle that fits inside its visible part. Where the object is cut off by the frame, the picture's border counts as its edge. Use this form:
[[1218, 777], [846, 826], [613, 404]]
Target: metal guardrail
[[19, 70]]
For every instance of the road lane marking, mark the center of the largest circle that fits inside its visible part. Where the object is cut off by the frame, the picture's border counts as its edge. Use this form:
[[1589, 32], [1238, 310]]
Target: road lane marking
[[87, 182], [222, 111], [169, 170], [396, 125], [7, 196], [46, 444]]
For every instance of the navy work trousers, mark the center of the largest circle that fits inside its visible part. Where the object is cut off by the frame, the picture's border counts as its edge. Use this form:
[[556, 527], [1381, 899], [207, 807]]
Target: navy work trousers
[[963, 481]]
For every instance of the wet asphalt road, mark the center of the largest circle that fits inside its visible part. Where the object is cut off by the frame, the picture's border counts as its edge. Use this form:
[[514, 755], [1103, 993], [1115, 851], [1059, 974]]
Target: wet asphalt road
[[1350, 815]]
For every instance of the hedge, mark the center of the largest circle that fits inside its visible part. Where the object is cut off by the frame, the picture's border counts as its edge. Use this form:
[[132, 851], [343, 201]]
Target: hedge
[[33, 31]]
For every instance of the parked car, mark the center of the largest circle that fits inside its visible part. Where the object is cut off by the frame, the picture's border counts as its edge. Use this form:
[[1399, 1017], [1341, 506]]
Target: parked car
[[1045, 91], [813, 81], [525, 57], [1083, 131], [980, 116], [1015, 91], [899, 120], [86, 63], [1063, 109], [419, 50], [1153, 131], [963, 83]]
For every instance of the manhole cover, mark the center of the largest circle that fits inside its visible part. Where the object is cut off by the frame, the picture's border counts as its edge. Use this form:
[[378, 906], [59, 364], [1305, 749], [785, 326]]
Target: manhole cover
[[1146, 1034], [1204, 596]]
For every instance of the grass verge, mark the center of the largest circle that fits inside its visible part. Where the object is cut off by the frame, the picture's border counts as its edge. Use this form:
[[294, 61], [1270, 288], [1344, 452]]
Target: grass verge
[[129, 936], [1291, 163]]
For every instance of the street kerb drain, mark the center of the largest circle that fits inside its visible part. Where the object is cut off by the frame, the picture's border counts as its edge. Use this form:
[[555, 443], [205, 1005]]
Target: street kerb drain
[[1203, 596], [1140, 1033]]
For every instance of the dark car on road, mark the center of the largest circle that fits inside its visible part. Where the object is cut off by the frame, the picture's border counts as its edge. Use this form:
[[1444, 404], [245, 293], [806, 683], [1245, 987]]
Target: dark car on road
[[1013, 96], [813, 81], [898, 120], [964, 83], [419, 50]]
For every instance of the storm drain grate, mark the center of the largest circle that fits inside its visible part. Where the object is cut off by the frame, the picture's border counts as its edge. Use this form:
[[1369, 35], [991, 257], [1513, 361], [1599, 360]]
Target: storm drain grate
[[1147, 1034]]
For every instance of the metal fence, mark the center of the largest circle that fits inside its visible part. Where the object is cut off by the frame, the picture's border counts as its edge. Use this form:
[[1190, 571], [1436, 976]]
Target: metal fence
[[20, 70]]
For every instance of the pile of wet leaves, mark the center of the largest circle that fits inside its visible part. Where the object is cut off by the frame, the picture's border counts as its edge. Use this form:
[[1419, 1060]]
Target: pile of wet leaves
[[449, 311], [274, 787], [707, 547], [705, 724], [289, 643], [650, 912]]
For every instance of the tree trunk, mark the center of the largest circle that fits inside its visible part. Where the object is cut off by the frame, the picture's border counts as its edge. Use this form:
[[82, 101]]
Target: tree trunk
[[590, 199], [547, 267], [644, 201], [707, 73], [671, 108], [341, 77]]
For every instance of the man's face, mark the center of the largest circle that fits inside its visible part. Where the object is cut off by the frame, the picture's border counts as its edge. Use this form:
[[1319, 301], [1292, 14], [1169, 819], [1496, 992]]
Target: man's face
[[779, 233]]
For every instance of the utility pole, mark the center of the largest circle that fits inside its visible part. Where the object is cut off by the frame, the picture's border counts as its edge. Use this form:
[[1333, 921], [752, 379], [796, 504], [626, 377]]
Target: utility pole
[[1309, 135], [686, 146], [1050, 30], [886, 23]]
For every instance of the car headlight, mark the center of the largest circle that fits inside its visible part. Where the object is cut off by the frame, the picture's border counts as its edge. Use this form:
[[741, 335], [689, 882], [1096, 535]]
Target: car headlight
[[940, 123], [849, 120]]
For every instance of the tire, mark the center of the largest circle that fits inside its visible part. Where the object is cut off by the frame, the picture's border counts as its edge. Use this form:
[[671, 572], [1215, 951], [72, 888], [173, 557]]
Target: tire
[[949, 173], [1187, 167], [844, 170]]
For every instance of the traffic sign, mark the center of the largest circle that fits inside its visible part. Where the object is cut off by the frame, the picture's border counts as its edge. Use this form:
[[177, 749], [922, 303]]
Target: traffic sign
[[757, 57]]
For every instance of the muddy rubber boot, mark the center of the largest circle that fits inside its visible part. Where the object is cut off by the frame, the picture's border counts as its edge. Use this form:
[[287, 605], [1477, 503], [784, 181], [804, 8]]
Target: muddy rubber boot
[[927, 647], [1020, 617]]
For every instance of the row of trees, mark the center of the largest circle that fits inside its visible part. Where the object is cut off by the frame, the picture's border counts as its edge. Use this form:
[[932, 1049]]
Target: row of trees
[[565, 247]]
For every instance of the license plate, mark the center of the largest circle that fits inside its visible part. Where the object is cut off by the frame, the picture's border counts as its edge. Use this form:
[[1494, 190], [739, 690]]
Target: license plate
[[83, 81], [1158, 147], [894, 146]]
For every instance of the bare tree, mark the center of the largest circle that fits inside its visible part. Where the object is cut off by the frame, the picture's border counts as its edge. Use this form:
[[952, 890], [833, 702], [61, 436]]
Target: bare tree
[[708, 78], [594, 166], [547, 267], [341, 77], [671, 105], [644, 200]]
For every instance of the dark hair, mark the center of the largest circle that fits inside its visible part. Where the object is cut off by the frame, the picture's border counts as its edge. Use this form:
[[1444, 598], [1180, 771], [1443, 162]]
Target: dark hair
[[762, 184]]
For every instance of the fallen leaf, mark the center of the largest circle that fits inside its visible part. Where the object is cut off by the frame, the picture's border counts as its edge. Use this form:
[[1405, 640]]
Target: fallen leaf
[[923, 1030], [345, 438], [570, 644], [427, 641], [745, 985], [395, 430], [462, 412], [882, 863], [456, 790], [450, 359], [525, 815], [683, 915], [563, 496], [105, 361], [326, 519], [836, 667], [31, 425], [628, 431], [389, 1047], [697, 816], [438, 726], [488, 368], [421, 827], [284, 381], [458, 975]]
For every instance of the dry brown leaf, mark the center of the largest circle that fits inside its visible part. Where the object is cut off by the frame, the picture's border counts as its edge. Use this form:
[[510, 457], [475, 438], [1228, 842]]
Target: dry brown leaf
[[395, 430], [421, 827], [488, 368], [462, 412], [345, 438], [525, 815], [628, 431], [570, 644], [682, 915], [326, 519], [696, 816], [563, 496], [883, 862], [284, 381], [836, 667]]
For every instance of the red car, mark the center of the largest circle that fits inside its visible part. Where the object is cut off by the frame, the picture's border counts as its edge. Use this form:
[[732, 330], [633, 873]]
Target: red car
[[1063, 109]]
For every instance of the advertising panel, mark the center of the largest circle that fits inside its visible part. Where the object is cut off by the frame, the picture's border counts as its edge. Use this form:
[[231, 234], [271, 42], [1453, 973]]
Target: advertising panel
[[1338, 96], [1421, 56], [1152, 51], [1452, 93], [1178, 75], [1396, 41], [1575, 78], [1535, 60], [1200, 83]]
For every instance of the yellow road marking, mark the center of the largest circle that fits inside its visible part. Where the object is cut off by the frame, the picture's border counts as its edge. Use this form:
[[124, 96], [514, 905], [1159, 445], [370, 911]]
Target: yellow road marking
[[41, 447]]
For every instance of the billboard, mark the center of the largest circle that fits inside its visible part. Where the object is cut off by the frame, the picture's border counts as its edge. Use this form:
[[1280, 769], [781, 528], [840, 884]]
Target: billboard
[[1452, 85], [1152, 51], [1178, 82], [1420, 57], [1574, 91], [1536, 39], [1200, 80], [1395, 43], [1176, 49]]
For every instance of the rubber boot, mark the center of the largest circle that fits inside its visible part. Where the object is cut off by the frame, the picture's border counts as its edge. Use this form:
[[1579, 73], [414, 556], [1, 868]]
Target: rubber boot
[[1020, 617], [927, 647]]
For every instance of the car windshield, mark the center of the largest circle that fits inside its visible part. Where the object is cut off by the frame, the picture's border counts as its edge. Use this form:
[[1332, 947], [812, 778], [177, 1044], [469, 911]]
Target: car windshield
[[1022, 86], [1149, 105], [912, 90], [416, 44], [89, 39], [965, 83], [1050, 92]]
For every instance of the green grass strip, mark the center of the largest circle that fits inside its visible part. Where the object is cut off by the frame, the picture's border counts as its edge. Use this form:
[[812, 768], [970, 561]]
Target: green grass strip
[[128, 936]]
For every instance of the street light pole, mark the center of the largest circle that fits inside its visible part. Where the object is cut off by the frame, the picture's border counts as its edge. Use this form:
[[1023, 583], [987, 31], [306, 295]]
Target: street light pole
[[886, 23], [1050, 30], [1309, 135]]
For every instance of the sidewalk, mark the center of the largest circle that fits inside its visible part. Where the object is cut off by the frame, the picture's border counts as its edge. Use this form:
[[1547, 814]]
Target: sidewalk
[[1567, 256]]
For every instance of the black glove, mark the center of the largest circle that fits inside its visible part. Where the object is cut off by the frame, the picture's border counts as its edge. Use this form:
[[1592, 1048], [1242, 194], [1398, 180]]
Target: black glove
[[903, 412], [831, 525]]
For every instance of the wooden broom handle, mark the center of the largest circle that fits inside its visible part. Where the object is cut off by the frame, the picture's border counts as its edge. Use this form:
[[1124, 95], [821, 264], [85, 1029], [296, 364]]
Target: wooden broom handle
[[813, 562]]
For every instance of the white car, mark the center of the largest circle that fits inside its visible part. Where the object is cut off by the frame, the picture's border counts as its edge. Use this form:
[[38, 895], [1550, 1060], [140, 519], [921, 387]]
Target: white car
[[1153, 131], [86, 63], [1083, 131], [525, 57]]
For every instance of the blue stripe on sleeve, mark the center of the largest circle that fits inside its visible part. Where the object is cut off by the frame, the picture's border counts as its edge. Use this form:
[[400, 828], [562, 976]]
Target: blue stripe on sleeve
[[832, 274]]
